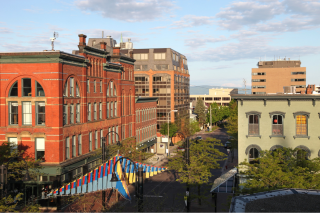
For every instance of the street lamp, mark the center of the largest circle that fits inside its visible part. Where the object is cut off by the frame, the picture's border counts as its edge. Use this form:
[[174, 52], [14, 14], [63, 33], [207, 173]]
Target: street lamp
[[168, 129], [104, 144], [139, 188]]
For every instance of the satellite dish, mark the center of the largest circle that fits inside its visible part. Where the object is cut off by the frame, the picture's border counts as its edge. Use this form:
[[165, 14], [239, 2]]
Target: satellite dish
[[55, 36]]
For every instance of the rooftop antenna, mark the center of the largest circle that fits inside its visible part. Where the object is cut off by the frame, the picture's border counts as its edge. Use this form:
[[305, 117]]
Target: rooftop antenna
[[121, 39], [55, 36], [102, 34]]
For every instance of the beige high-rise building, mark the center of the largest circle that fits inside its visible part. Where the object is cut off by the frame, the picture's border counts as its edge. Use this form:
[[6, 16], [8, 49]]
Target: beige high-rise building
[[272, 76]]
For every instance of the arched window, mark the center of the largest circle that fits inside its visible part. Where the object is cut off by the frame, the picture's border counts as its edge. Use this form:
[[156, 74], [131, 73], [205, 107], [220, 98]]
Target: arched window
[[14, 90], [39, 90], [253, 155], [77, 90], [115, 90], [65, 91], [26, 87]]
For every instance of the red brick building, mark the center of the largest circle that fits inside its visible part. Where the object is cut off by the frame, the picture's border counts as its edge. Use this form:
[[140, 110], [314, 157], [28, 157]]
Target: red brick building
[[57, 106], [146, 123]]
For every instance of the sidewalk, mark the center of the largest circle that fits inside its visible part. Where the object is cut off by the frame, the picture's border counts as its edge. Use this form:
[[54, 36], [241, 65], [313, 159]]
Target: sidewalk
[[162, 157]]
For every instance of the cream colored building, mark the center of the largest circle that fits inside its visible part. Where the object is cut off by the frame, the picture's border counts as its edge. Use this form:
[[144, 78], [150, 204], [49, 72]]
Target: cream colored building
[[267, 122], [220, 96]]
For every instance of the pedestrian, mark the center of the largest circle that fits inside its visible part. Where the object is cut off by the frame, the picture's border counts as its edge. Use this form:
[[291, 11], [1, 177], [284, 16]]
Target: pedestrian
[[158, 159]]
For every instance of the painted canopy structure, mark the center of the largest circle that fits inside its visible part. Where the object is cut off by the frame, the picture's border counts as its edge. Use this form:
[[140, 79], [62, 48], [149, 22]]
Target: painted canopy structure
[[100, 178], [225, 183]]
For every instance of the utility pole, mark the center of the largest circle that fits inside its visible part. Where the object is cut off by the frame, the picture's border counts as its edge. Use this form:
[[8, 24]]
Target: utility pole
[[245, 86], [210, 119], [140, 189]]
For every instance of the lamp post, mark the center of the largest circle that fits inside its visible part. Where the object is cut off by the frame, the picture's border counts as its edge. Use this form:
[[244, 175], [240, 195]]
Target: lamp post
[[104, 159], [169, 129], [139, 176]]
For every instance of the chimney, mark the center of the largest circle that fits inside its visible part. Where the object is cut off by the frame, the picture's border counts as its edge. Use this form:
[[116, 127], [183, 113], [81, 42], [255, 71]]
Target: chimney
[[103, 45], [116, 51], [131, 54], [82, 42]]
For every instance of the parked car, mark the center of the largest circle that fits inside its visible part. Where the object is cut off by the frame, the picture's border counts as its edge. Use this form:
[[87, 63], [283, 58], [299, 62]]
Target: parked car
[[181, 148], [198, 138], [227, 145]]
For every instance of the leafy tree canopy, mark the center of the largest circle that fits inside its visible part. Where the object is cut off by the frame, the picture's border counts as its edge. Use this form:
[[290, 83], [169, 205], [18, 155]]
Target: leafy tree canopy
[[232, 125], [200, 111], [283, 168], [172, 129]]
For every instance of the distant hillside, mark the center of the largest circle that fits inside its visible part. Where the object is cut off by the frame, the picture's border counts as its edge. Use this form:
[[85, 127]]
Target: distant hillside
[[204, 89]]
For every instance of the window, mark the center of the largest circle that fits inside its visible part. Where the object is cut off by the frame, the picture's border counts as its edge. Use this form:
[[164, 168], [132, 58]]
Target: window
[[40, 113], [95, 111], [259, 73], [89, 111], [100, 110], [277, 125], [253, 155], [111, 88], [100, 86], [144, 67], [259, 87], [13, 113], [101, 136], [161, 67], [90, 141], [113, 134], [108, 105], [40, 148], [140, 56], [301, 125], [14, 90], [109, 136], [88, 85], [253, 125], [39, 90], [71, 114], [137, 67], [226, 98], [258, 80], [298, 79], [217, 98], [26, 87], [78, 113], [71, 87], [65, 114], [67, 148], [77, 90], [65, 91], [73, 146], [111, 114], [26, 113], [159, 56], [298, 73], [96, 140], [79, 145], [115, 90], [259, 93], [115, 109], [94, 86], [117, 135]]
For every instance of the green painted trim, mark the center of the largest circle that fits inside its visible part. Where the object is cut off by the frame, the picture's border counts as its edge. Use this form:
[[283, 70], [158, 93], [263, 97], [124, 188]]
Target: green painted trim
[[147, 99], [127, 61], [275, 97], [95, 52]]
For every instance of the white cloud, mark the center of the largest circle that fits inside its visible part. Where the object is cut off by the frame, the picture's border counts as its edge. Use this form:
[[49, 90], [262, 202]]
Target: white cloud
[[160, 27], [5, 30], [192, 21], [251, 48], [128, 10], [198, 41]]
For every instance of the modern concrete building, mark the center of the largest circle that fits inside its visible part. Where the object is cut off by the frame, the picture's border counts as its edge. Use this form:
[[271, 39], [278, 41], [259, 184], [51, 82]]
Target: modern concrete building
[[272, 76], [267, 122], [162, 73], [221, 96]]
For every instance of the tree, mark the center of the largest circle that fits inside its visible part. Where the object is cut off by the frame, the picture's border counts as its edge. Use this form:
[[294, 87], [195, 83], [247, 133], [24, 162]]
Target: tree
[[203, 157], [194, 127], [232, 125], [282, 168], [216, 113], [200, 111], [9, 203], [172, 129]]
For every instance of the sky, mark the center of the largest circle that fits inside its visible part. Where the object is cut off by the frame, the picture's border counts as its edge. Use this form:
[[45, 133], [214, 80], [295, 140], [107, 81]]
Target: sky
[[222, 39]]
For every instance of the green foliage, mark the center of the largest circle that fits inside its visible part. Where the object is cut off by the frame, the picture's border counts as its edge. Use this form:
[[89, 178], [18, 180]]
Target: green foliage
[[194, 127], [232, 125], [283, 168], [7, 204], [172, 129], [218, 113], [198, 172], [200, 111], [17, 167], [33, 208]]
